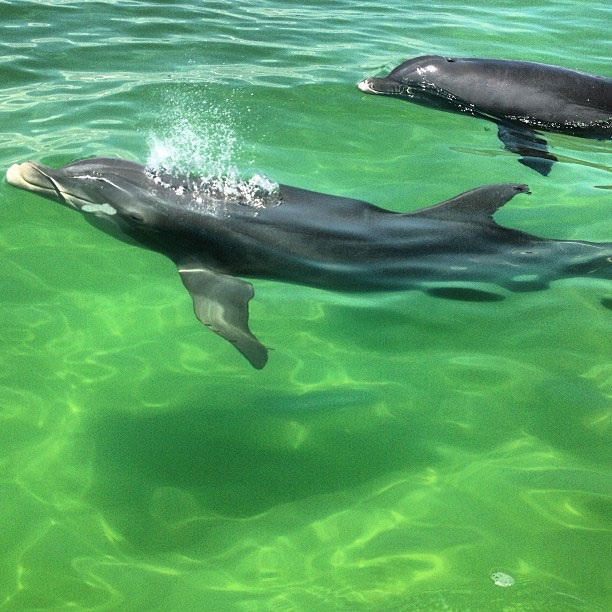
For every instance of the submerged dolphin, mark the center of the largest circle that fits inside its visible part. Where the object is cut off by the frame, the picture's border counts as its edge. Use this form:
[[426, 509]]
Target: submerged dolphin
[[516, 95], [298, 236]]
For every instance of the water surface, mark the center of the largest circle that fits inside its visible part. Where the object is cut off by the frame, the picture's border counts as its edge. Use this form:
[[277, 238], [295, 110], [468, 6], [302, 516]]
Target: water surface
[[398, 449]]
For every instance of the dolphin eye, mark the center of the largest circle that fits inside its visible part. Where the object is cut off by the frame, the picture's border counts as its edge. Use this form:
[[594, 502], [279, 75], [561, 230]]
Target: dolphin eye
[[134, 216], [449, 59]]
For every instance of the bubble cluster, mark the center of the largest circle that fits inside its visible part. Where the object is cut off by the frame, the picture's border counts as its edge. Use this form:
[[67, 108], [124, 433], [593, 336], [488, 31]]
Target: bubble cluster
[[257, 192], [214, 194], [502, 579]]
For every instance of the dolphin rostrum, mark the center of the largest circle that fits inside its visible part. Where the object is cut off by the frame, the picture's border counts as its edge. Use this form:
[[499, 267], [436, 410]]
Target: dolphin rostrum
[[518, 96], [297, 236]]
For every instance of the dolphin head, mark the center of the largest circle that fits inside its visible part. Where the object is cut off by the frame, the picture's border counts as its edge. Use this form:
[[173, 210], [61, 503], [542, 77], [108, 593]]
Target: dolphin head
[[409, 77], [149, 207], [113, 188]]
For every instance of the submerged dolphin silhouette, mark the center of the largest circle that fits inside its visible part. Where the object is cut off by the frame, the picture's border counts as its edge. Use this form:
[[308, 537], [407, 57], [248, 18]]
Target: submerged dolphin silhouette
[[308, 238], [517, 96]]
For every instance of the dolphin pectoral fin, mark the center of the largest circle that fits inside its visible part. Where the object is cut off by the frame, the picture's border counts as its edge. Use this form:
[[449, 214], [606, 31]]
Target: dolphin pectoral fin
[[532, 148], [539, 164], [221, 302]]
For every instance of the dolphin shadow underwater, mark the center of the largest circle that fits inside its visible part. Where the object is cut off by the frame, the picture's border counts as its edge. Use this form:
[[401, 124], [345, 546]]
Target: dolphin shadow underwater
[[292, 235], [519, 97]]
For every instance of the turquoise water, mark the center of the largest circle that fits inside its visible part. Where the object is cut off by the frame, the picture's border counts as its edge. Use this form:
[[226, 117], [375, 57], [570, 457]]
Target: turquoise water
[[397, 449]]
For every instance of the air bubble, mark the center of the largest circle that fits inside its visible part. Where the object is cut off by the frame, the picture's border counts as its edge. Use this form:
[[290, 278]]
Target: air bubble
[[501, 579]]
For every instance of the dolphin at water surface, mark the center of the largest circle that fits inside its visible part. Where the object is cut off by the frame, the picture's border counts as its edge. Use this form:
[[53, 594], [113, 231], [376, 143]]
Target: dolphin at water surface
[[216, 234], [518, 96]]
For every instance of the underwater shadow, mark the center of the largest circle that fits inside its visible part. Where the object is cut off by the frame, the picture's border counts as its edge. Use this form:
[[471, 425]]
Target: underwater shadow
[[238, 463]]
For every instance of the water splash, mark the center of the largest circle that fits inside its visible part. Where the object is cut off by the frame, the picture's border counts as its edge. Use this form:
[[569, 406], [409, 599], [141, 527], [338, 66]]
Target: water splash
[[182, 148], [199, 144]]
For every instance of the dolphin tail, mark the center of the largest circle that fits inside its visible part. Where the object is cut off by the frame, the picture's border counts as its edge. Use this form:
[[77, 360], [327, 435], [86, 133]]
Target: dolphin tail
[[221, 302], [532, 148]]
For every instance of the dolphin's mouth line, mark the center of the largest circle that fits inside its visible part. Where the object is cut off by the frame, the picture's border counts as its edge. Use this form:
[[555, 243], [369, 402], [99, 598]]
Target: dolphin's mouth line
[[384, 86], [366, 86], [420, 91], [391, 87], [54, 184], [16, 177]]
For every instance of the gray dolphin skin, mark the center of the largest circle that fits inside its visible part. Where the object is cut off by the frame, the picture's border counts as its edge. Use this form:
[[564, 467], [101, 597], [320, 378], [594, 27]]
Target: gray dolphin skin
[[518, 96], [297, 236]]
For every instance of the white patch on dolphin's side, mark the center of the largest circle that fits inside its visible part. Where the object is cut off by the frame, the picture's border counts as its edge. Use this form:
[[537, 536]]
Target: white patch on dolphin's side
[[95, 208]]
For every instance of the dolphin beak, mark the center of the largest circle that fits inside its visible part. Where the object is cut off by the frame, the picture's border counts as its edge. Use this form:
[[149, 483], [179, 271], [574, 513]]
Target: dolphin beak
[[381, 85], [33, 177], [363, 86], [15, 178]]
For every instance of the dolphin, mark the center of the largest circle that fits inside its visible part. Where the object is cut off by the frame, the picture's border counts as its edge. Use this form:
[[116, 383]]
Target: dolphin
[[520, 97], [292, 235]]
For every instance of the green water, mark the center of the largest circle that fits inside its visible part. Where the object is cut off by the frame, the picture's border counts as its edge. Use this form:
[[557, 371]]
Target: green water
[[397, 449]]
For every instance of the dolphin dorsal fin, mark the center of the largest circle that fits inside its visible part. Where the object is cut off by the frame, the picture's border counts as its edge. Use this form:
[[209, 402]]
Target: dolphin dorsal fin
[[476, 205]]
